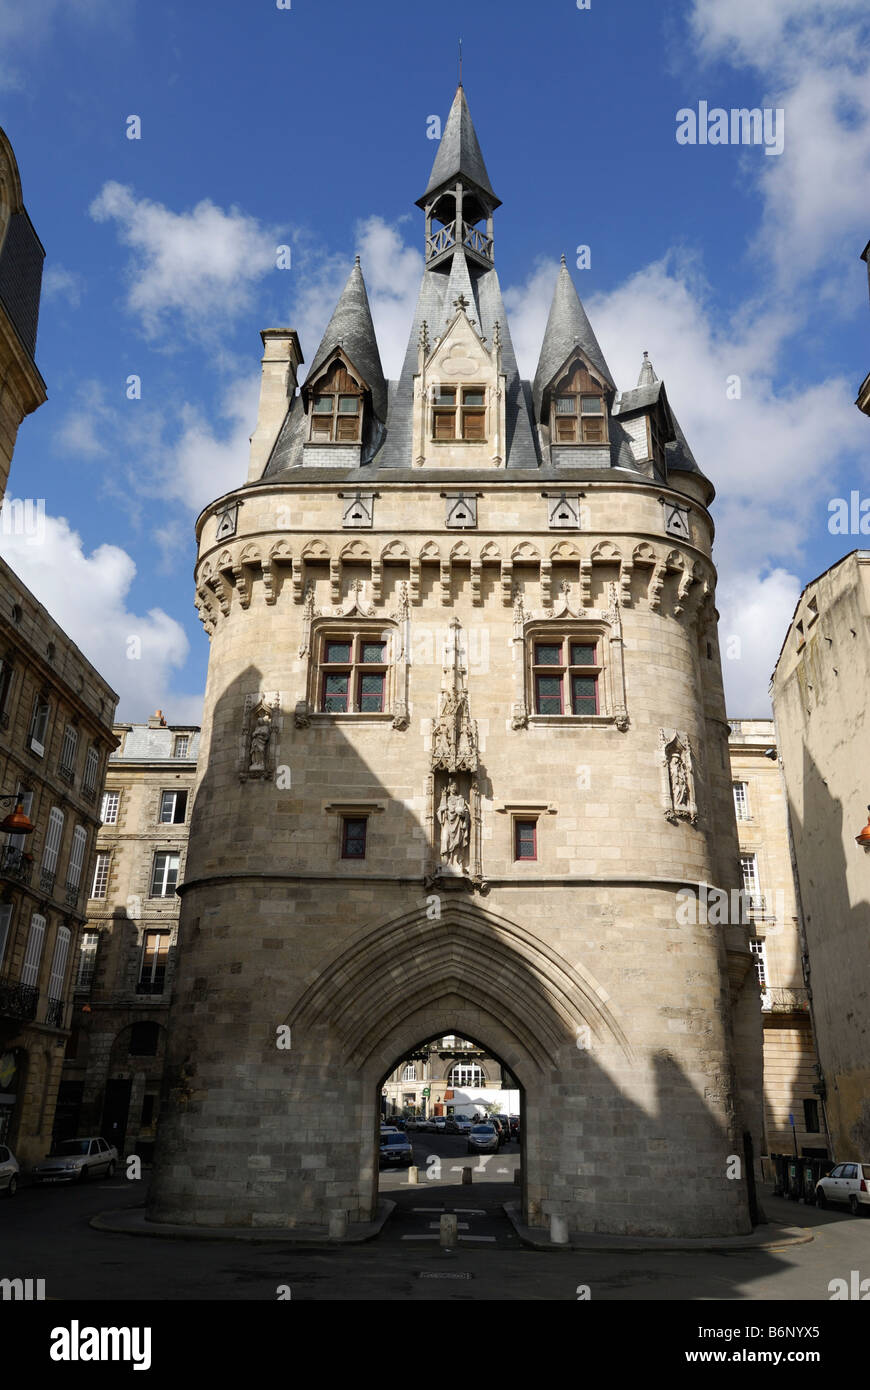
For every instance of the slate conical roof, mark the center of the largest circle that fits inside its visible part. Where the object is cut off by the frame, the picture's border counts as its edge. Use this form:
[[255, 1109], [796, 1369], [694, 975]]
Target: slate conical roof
[[459, 154], [351, 328], [567, 328]]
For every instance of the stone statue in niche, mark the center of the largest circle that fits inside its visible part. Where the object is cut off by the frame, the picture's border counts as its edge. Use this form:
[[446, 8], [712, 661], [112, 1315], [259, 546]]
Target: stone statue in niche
[[454, 817], [677, 762], [679, 780], [260, 735]]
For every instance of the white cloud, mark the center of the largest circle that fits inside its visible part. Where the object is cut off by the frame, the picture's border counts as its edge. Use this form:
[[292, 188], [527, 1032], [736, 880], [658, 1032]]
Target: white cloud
[[203, 464], [755, 612], [25, 27], [60, 283], [194, 270], [87, 595]]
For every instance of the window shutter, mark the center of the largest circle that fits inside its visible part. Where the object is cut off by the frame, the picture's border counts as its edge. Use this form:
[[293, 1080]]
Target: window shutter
[[68, 751], [33, 951], [91, 767], [76, 857], [58, 963], [52, 840]]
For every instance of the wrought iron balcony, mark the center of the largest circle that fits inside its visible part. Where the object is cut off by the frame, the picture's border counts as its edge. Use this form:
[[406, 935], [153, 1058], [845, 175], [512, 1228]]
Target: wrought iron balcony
[[46, 880], [150, 986], [777, 1000], [71, 895], [89, 794], [54, 1013], [17, 1000], [67, 774], [16, 863]]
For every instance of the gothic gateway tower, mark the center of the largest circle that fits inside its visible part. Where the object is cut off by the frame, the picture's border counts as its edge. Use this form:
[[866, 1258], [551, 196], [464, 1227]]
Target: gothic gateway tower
[[464, 743]]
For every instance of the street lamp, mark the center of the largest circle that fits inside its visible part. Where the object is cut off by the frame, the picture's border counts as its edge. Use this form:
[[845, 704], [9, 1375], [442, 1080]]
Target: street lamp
[[864, 838], [16, 823]]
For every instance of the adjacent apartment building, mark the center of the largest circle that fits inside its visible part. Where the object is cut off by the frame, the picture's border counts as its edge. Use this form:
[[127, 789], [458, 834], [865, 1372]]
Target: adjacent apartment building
[[819, 694], [793, 1109], [56, 715], [126, 963]]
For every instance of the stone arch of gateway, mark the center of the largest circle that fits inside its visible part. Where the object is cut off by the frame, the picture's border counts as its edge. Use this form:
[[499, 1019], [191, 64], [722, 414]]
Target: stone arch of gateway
[[464, 744]]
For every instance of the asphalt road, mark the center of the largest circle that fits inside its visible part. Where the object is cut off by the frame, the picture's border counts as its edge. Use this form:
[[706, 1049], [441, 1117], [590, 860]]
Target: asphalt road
[[44, 1233]]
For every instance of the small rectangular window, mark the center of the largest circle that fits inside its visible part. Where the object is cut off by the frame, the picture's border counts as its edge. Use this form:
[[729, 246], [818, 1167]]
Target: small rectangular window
[[182, 744], [371, 692], [323, 405], [566, 405], [109, 809], [445, 396], [547, 654], [525, 839], [173, 807], [811, 1117], [473, 424], [741, 800], [591, 405], [101, 876], [337, 651], [164, 874], [373, 652], [335, 693], [152, 970], [582, 654], [584, 694], [548, 692], [445, 424], [353, 837], [473, 397], [566, 431], [348, 405]]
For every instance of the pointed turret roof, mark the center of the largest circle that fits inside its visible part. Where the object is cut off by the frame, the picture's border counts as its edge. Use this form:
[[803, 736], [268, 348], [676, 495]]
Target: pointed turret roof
[[567, 328], [648, 390], [647, 372], [459, 154], [351, 329]]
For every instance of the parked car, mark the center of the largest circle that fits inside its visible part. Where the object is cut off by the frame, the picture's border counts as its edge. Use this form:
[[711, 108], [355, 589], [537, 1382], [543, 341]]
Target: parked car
[[515, 1126], [396, 1149], [439, 1124], [463, 1124], [501, 1128], [76, 1160], [398, 1121], [451, 1125], [425, 1124], [849, 1183], [8, 1171], [483, 1139]]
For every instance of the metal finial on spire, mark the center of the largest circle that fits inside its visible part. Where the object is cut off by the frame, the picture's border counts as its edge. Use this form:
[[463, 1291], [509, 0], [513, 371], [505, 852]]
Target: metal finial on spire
[[460, 62], [356, 261], [564, 262]]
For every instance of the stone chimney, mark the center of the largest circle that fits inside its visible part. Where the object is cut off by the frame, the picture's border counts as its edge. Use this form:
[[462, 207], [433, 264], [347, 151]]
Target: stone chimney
[[282, 355], [157, 721]]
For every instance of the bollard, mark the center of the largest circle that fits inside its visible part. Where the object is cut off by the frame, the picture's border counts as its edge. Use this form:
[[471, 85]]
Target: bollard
[[558, 1229], [338, 1224], [413, 1174], [466, 1176], [448, 1231], [518, 1177]]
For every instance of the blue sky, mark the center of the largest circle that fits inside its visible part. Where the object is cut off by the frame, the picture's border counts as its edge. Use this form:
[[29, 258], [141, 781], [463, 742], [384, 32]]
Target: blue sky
[[308, 127]]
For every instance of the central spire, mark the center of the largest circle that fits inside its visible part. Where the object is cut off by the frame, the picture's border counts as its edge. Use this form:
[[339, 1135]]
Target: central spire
[[459, 195]]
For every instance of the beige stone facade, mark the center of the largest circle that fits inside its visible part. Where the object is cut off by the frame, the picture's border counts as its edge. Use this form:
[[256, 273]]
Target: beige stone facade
[[433, 1079], [55, 737], [378, 635], [819, 698], [791, 1074], [125, 972]]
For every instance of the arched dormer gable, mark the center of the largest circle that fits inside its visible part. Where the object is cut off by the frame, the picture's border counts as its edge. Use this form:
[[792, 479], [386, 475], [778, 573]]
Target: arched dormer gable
[[575, 403], [335, 398]]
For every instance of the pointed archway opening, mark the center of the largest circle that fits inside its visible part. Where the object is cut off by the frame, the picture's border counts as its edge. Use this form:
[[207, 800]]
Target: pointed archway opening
[[449, 1114]]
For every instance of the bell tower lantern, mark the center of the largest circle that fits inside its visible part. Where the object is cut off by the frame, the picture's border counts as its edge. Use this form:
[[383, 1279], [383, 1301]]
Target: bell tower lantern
[[459, 201]]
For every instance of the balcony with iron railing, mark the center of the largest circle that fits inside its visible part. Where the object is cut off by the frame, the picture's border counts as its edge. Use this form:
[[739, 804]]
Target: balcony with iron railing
[[46, 880], [71, 894], [54, 1013], [65, 773], [776, 999], [18, 1001], [16, 864]]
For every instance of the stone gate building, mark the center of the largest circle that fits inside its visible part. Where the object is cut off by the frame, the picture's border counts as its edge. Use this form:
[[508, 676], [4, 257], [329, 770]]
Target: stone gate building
[[464, 743]]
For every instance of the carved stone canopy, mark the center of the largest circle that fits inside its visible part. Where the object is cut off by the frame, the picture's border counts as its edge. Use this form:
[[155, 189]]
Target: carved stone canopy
[[454, 733], [678, 776]]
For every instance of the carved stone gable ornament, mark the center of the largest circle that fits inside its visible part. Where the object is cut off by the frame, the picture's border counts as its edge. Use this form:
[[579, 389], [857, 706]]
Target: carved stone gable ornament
[[676, 520], [227, 520], [358, 510], [678, 776]]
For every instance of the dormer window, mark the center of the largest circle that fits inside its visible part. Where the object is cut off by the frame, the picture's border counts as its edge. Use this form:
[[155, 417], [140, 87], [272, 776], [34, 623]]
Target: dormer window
[[459, 412], [336, 408], [578, 412]]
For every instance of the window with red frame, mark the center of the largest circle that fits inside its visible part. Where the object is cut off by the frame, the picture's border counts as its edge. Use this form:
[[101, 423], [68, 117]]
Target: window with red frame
[[565, 675], [353, 674], [353, 837], [525, 839]]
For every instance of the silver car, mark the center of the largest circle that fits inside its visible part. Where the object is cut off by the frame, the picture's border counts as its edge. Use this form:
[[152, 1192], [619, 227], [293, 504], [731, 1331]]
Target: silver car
[[76, 1160], [8, 1171], [482, 1140]]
